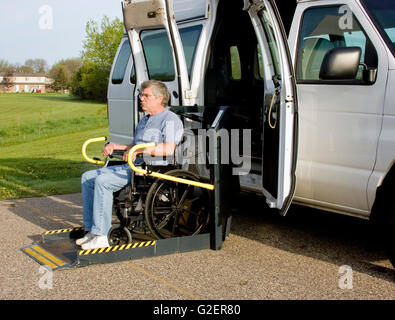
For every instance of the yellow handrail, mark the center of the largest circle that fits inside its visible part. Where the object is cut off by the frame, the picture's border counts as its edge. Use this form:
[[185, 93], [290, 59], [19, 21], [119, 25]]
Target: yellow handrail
[[161, 175], [85, 145]]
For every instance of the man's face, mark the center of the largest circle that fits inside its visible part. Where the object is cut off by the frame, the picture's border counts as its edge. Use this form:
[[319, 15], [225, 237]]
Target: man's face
[[150, 103]]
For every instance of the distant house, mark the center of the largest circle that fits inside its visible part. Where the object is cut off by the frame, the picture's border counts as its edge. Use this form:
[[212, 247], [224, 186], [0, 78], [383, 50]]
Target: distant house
[[23, 82]]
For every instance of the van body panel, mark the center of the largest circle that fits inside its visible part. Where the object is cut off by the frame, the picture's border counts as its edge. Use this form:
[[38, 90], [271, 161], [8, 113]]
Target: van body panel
[[187, 10], [340, 126], [120, 99], [386, 147]]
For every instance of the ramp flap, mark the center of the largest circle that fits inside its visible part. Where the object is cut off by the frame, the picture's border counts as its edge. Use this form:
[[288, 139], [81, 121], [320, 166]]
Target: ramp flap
[[44, 257]]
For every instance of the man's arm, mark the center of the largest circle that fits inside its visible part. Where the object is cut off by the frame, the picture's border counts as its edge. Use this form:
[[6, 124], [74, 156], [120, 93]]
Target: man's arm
[[109, 148], [161, 150]]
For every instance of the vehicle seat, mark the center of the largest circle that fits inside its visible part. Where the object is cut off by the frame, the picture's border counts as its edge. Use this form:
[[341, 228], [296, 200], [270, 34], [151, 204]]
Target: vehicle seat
[[311, 56]]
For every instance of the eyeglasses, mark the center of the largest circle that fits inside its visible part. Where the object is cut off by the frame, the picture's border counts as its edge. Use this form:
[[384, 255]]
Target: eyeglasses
[[144, 95]]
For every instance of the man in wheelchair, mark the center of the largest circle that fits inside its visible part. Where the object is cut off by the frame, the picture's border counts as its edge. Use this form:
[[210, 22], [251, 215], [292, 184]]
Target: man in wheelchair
[[159, 125]]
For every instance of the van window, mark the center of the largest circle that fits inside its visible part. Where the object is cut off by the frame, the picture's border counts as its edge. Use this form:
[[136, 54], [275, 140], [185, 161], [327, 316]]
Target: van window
[[133, 75], [258, 66], [120, 65], [235, 63], [190, 37], [323, 29], [158, 55], [382, 14], [271, 39]]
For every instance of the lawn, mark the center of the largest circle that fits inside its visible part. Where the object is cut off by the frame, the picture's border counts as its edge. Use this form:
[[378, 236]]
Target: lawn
[[40, 143]]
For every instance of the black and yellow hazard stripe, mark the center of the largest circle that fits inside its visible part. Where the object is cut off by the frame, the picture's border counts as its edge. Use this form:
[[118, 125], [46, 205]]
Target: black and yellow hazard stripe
[[117, 248], [44, 257], [63, 230]]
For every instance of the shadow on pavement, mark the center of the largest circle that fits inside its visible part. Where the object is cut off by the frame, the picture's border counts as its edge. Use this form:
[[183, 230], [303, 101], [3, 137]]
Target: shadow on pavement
[[329, 237]]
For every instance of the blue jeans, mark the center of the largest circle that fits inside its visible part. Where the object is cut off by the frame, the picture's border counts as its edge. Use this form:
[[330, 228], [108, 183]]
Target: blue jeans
[[98, 187]]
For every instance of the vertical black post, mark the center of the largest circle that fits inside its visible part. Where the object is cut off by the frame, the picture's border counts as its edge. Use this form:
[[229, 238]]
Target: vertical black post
[[217, 238], [218, 232]]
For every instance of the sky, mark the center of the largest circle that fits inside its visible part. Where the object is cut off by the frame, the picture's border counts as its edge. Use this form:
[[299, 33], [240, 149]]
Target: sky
[[49, 29]]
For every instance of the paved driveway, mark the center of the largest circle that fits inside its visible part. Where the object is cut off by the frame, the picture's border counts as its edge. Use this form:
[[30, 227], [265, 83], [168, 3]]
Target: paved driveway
[[307, 255]]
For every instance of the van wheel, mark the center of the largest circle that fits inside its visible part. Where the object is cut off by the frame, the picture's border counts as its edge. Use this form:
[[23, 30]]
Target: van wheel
[[383, 217], [390, 238]]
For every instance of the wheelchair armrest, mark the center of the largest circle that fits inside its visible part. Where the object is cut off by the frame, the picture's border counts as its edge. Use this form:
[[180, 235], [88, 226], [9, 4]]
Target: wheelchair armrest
[[117, 154]]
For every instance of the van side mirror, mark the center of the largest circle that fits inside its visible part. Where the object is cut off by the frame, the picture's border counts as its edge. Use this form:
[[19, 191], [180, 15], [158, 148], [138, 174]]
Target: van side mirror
[[341, 64]]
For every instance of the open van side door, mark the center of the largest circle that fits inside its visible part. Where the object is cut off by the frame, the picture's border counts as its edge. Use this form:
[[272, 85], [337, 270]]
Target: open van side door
[[280, 105], [156, 19]]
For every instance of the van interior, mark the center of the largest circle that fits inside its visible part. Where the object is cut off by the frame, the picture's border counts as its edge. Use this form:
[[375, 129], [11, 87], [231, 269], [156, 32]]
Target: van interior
[[233, 78]]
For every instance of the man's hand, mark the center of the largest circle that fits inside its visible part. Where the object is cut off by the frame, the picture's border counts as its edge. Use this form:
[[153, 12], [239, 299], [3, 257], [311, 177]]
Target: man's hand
[[126, 153], [108, 149]]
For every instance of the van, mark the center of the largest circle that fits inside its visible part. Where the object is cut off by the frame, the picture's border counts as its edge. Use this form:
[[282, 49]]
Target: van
[[335, 152]]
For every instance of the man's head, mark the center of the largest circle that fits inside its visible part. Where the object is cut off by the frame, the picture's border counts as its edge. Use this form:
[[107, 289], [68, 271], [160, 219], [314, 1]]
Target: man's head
[[154, 97]]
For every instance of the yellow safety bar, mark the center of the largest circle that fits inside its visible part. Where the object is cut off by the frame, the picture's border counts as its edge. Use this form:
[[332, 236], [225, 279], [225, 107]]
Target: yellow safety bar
[[161, 175], [85, 145]]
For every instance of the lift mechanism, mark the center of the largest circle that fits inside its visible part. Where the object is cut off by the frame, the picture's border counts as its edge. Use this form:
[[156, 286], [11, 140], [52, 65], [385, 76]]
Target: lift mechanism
[[57, 249]]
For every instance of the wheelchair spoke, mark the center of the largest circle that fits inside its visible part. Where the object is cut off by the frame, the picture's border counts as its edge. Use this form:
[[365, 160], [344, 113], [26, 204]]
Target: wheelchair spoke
[[164, 222], [174, 209]]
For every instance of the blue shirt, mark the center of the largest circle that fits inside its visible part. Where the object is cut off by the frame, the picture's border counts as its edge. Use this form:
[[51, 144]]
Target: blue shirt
[[165, 126]]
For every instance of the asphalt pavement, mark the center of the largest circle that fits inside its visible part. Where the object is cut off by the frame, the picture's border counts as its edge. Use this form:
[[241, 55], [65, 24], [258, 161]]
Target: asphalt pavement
[[307, 255]]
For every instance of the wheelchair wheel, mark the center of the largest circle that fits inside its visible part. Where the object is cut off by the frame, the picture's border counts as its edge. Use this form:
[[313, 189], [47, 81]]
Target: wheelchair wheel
[[174, 209], [119, 235]]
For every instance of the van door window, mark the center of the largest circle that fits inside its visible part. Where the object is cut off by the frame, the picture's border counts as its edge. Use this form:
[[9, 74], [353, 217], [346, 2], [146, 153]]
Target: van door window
[[271, 39], [324, 29], [258, 66], [122, 61], [158, 55], [235, 63], [190, 37], [133, 75], [382, 14]]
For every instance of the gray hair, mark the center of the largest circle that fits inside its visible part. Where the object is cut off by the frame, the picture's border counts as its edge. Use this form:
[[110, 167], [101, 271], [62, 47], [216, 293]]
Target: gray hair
[[159, 89]]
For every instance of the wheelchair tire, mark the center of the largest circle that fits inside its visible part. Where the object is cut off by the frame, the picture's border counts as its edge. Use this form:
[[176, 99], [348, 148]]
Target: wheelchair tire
[[119, 235], [174, 209]]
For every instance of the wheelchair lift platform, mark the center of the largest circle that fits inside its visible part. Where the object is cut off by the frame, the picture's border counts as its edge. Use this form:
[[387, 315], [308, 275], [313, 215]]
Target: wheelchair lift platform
[[57, 249]]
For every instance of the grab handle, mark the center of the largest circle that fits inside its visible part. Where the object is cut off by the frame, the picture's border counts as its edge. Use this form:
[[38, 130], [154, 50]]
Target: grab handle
[[85, 145], [161, 175]]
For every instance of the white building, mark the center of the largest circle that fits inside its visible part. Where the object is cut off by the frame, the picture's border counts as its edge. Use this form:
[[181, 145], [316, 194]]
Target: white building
[[23, 82]]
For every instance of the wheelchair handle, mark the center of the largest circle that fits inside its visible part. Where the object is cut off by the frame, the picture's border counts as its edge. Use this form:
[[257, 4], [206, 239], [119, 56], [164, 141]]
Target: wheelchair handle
[[85, 145], [161, 175]]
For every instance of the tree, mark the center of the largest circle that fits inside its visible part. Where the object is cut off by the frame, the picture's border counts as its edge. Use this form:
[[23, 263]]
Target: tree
[[69, 66], [38, 65], [99, 49], [60, 80], [7, 80], [4, 65]]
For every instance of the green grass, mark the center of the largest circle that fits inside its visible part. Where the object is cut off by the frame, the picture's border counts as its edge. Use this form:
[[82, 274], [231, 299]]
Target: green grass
[[40, 143]]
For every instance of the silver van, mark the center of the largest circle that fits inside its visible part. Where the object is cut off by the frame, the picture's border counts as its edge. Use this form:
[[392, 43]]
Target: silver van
[[336, 151]]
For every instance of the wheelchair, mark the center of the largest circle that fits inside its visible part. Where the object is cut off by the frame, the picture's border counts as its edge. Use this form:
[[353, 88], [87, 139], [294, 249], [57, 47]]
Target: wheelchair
[[158, 208]]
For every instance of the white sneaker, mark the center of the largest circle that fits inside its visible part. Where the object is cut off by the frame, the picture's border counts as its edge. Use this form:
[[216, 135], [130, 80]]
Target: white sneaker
[[86, 238], [96, 242]]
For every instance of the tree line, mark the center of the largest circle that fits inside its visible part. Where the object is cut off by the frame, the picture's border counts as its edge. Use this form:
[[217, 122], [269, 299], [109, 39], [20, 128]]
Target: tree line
[[86, 76]]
